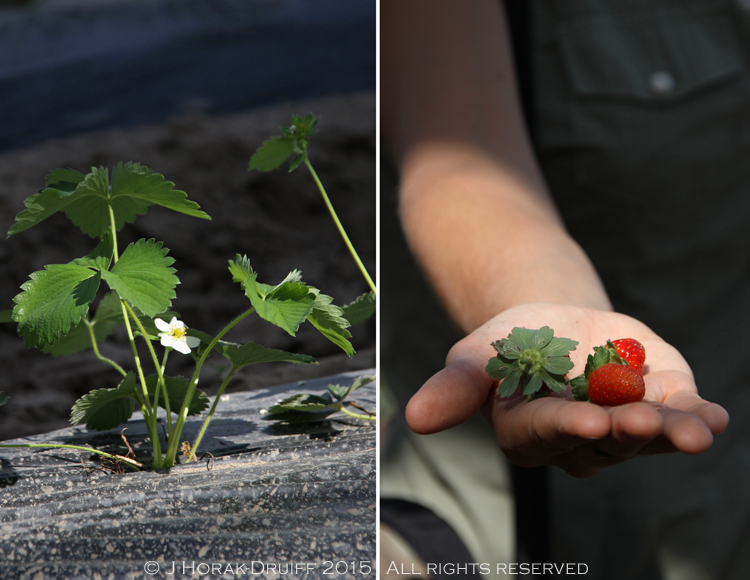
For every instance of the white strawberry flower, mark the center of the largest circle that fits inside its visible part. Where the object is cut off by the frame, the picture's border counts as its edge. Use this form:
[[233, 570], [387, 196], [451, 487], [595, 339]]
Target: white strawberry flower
[[174, 335]]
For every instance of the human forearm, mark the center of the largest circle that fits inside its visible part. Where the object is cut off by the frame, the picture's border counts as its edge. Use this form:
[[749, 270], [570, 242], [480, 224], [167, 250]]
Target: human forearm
[[486, 238], [473, 202]]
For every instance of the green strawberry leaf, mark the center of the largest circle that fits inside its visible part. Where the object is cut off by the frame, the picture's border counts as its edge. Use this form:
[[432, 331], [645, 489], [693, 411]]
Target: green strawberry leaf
[[177, 388], [101, 256], [272, 153], [361, 309], [57, 195], [134, 181], [580, 388], [557, 365], [108, 316], [497, 368], [142, 276], [53, 301], [286, 305], [240, 269], [296, 161], [559, 347], [530, 384], [600, 357], [509, 384], [531, 359], [291, 302], [329, 321], [241, 355], [542, 337], [86, 200], [3, 398], [554, 381], [104, 409], [340, 392], [522, 338], [302, 402], [64, 179], [78, 339], [506, 349]]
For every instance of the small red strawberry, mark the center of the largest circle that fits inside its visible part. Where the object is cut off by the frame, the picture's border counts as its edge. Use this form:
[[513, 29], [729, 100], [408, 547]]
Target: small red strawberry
[[615, 384], [632, 351]]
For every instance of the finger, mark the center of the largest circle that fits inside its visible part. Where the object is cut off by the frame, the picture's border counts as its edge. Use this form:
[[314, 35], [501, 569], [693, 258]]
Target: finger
[[714, 416], [633, 427], [686, 431], [531, 433], [448, 398]]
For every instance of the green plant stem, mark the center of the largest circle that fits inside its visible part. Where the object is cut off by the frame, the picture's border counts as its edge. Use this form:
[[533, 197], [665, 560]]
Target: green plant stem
[[97, 354], [340, 227], [174, 441], [149, 414], [138, 366], [78, 447], [162, 382], [345, 411], [199, 438], [159, 367]]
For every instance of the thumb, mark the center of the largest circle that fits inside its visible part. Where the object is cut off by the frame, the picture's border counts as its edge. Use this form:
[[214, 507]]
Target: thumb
[[449, 397]]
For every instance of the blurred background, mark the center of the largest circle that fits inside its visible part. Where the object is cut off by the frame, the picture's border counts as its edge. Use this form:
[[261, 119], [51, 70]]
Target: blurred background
[[189, 88]]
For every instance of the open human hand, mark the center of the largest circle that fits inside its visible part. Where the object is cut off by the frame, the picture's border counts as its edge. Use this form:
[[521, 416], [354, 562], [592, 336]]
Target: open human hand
[[581, 438]]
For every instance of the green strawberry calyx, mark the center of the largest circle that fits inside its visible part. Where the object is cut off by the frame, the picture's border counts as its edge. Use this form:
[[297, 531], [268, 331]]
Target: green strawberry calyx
[[602, 355], [529, 359]]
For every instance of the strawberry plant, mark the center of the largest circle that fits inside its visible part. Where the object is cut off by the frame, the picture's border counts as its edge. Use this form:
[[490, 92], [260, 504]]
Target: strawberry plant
[[535, 362], [67, 308], [294, 142], [298, 407]]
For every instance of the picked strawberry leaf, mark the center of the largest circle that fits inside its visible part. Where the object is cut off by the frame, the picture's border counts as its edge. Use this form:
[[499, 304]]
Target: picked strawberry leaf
[[529, 360]]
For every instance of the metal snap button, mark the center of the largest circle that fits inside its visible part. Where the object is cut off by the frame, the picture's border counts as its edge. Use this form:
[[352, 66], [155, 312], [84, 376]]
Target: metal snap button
[[661, 83]]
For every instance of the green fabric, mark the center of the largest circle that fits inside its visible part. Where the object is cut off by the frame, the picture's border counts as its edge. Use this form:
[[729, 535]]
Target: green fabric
[[642, 132], [460, 474]]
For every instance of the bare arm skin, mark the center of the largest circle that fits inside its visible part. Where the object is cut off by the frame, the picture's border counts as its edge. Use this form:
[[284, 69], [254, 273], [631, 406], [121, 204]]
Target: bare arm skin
[[488, 236]]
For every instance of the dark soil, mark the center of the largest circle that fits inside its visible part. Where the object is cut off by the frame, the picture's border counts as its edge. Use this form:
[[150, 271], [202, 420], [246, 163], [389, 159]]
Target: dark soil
[[277, 219]]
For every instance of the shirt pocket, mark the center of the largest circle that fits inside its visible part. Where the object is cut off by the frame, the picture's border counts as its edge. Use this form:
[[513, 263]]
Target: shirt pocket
[[647, 104], [649, 57]]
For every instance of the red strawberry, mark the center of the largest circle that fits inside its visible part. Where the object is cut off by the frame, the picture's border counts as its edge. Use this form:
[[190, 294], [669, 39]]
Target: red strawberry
[[632, 351], [616, 384]]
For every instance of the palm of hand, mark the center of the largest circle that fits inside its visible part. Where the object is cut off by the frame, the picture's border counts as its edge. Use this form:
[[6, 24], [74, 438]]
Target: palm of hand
[[581, 438]]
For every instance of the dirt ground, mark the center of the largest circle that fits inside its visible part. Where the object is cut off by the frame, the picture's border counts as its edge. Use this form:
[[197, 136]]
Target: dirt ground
[[278, 219]]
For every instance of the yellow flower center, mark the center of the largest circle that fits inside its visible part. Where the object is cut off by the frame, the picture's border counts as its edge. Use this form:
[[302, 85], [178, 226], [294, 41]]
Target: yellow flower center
[[179, 332]]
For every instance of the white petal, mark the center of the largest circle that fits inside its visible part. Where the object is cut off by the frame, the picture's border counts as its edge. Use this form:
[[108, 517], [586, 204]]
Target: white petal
[[161, 325], [193, 341], [168, 340], [180, 346]]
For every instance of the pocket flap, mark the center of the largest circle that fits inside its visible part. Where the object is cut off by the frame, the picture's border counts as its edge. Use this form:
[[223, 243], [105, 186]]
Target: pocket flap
[[649, 58]]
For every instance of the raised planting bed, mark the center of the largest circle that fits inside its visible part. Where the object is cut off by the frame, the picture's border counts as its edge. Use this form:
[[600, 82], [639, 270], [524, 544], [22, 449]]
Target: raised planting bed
[[275, 498]]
